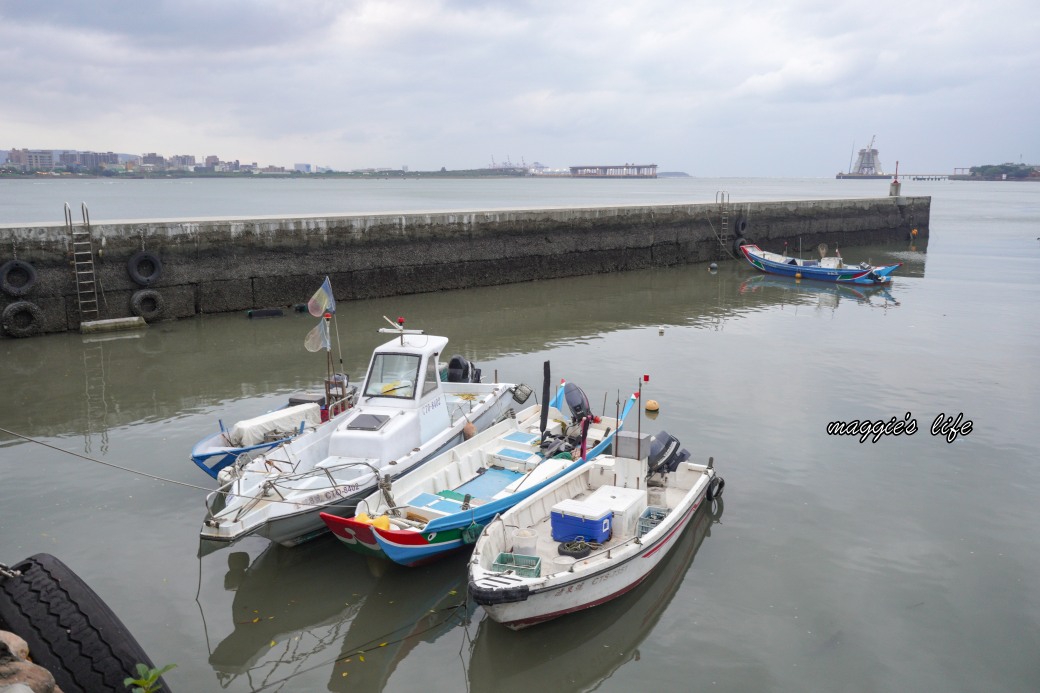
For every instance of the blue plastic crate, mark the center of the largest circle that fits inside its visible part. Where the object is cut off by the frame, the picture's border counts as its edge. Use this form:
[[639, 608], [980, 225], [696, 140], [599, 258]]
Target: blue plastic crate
[[650, 518]]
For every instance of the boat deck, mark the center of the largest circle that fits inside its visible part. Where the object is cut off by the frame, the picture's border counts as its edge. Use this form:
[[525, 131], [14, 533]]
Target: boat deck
[[547, 548]]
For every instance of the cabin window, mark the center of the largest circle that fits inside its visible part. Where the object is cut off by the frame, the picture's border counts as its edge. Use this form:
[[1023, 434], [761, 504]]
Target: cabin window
[[432, 376], [393, 375]]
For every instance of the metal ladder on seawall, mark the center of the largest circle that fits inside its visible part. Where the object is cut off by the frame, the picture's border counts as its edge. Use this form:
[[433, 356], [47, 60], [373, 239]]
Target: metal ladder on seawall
[[725, 234], [83, 265]]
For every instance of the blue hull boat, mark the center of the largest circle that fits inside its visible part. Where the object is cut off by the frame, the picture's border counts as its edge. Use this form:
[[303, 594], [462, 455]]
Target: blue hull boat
[[828, 269]]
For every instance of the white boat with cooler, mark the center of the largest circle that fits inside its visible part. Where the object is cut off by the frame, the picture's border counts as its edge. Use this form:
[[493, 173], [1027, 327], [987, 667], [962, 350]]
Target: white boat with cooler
[[405, 415], [591, 535]]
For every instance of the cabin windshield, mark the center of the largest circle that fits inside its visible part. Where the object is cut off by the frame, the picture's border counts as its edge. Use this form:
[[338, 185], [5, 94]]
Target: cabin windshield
[[393, 375]]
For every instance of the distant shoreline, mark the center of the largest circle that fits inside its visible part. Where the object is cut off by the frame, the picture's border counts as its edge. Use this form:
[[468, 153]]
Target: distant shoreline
[[495, 174]]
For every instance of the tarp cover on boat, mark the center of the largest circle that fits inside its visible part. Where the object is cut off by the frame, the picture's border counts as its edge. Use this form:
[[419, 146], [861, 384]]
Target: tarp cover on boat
[[280, 421]]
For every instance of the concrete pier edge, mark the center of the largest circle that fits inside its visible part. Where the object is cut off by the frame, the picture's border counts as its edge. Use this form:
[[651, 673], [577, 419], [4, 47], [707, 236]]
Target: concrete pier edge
[[224, 264]]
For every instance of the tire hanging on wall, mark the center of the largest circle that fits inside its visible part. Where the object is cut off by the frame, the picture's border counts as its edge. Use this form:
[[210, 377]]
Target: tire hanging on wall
[[736, 246], [148, 304], [24, 276], [22, 319], [145, 268], [739, 226], [70, 631]]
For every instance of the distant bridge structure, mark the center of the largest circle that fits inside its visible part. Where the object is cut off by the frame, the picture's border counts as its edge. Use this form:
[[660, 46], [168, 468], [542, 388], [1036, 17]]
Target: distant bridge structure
[[615, 171]]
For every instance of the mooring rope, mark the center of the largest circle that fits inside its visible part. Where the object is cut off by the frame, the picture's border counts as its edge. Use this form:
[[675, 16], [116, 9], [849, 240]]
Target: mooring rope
[[155, 477], [102, 462]]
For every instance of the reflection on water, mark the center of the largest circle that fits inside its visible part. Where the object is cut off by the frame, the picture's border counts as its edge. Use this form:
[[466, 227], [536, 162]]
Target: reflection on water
[[825, 295], [290, 608], [583, 649], [319, 605], [211, 363]]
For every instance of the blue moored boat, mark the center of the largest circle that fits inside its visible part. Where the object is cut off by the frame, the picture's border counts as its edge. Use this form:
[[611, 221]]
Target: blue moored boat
[[828, 269]]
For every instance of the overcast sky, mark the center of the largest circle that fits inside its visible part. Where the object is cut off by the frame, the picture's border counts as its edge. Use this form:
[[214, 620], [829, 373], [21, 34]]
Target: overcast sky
[[735, 88]]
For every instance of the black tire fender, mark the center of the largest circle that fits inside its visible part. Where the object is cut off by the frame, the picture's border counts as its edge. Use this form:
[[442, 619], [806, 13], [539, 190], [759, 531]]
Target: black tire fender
[[18, 269], [739, 226], [736, 246], [22, 319], [70, 631], [145, 268], [148, 304], [715, 487]]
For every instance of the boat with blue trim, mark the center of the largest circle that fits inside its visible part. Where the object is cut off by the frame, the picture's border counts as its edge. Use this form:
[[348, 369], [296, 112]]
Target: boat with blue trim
[[442, 506], [828, 269]]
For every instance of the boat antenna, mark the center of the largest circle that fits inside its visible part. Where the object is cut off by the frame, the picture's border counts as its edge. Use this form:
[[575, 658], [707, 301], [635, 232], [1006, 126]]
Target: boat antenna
[[339, 343], [639, 421], [398, 328], [545, 401], [327, 317]]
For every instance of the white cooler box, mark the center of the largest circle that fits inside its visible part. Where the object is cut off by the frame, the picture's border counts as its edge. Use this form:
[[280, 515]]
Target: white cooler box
[[627, 504]]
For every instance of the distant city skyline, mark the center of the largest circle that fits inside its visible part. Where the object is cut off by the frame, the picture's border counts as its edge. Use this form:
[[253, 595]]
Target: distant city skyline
[[64, 158]]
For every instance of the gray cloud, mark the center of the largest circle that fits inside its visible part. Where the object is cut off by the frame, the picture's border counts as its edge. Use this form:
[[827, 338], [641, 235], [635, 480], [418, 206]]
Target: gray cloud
[[745, 88]]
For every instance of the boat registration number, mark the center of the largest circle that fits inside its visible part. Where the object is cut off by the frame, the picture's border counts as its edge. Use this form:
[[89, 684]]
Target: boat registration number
[[331, 494]]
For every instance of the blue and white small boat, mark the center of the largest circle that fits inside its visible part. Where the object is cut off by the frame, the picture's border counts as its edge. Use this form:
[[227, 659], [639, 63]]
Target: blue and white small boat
[[828, 269], [256, 435]]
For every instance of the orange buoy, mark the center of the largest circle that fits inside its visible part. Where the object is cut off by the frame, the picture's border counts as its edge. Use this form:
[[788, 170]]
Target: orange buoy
[[469, 430], [652, 405]]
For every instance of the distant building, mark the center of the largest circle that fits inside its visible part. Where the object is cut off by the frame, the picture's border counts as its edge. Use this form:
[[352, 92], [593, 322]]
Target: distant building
[[33, 159], [615, 171], [183, 161], [302, 168], [212, 160], [153, 160]]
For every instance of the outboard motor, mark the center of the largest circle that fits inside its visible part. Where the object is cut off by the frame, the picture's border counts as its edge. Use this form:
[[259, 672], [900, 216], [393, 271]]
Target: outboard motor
[[577, 402], [462, 371], [666, 454]]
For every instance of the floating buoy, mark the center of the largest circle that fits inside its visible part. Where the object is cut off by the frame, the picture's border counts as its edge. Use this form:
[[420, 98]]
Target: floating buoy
[[660, 330], [652, 405], [913, 232], [713, 266], [797, 275]]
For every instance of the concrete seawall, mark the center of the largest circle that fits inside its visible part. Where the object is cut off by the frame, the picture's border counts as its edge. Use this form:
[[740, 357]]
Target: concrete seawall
[[220, 265]]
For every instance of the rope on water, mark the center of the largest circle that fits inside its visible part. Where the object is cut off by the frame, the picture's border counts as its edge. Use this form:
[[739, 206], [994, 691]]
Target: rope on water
[[152, 476]]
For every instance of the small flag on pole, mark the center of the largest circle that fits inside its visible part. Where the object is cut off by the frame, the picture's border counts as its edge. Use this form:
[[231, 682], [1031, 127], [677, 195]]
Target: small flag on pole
[[322, 301], [318, 338]]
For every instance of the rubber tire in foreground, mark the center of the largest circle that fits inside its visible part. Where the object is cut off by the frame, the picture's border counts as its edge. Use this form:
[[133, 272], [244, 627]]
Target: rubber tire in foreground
[[70, 631]]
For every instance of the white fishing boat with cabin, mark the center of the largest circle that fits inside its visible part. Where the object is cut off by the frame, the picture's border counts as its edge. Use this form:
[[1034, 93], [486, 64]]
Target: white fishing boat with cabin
[[405, 415]]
